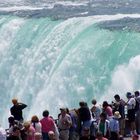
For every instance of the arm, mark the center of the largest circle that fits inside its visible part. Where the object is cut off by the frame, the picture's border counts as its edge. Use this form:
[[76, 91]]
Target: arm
[[22, 106]]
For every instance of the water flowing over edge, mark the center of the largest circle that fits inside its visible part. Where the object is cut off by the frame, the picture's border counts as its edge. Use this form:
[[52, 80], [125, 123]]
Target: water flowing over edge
[[45, 61]]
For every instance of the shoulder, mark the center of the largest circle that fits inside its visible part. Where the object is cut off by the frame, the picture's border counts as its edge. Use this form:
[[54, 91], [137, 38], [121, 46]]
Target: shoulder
[[32, 129], [107, 122], [132, 100], [12, 107], [38, 124], [122, 102], [138, 99], [68, 116]]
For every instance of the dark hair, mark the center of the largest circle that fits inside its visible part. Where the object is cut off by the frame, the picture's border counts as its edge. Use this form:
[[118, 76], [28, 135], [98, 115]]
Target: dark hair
[[117, 96], [11, 119], [99, 134], [82, 103], [103, 115], [128, 95], [105, 104], [94, 101], [34, 119], [137, 93], [67, 110], [45, 113]]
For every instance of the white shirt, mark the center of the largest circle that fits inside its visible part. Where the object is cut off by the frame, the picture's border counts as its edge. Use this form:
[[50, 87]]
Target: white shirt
[[131, 103], [38, 127], [62, 122]]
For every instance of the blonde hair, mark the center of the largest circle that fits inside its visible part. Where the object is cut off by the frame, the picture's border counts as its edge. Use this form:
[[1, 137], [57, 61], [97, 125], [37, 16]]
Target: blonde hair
[[14, 101], [51, 135], [27, 124]]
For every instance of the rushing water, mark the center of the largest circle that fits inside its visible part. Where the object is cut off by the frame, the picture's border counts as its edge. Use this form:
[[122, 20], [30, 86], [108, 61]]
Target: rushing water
[[56, 53]]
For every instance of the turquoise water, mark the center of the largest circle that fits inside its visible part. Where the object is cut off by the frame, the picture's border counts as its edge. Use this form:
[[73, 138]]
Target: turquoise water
[[49, 63]]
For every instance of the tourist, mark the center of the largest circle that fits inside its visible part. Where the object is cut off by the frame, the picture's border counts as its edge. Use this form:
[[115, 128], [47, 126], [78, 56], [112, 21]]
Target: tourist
[[96, 110], [29, 131], [99, 136], [14, 129], [104, 126], [131, 113], [119, 105], [37, 126], [84, 116], [47, 125], [74, 129], [114, 126], [137, 109], [107, 109], [64, 124], [51, 135], [16, 110]]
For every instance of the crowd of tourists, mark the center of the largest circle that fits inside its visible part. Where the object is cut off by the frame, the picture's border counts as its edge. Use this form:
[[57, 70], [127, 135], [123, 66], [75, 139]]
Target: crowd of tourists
[[106, 122]]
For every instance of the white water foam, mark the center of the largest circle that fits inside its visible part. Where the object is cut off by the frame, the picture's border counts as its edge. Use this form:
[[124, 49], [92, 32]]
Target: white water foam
[[54, 76], [124, 78], [8, 32]]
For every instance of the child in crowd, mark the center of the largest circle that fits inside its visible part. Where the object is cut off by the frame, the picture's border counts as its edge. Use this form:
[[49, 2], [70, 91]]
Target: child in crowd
[[37, 126], [114, 126], [103, 125], [99, 136], [51, 135]]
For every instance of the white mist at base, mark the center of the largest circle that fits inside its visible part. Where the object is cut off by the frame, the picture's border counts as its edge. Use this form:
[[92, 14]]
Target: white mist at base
[[125, 78]]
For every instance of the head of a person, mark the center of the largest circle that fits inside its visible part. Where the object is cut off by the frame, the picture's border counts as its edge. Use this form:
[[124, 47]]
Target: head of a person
[[103, 116], [51, 135], [34, 119], [15, 101], [128, 95], [82, 104], [105, 104], [137, 93], [45, 113], [63, 110], [11, 120], [117, 97], [94, 102], [99, 135], [26, 125], [117, 115]]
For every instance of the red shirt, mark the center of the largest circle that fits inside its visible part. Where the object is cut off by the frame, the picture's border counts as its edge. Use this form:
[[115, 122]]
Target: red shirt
[[47, 124]]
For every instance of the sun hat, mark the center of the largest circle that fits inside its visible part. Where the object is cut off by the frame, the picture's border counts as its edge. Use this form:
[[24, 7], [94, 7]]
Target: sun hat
[[117, 115]]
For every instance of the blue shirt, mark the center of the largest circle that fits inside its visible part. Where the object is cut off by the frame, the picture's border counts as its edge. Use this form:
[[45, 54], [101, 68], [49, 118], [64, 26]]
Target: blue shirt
[[114, 125]]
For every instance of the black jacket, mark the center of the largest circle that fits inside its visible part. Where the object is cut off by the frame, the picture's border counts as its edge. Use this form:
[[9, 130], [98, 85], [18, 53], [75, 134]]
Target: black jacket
[[16, 111]]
